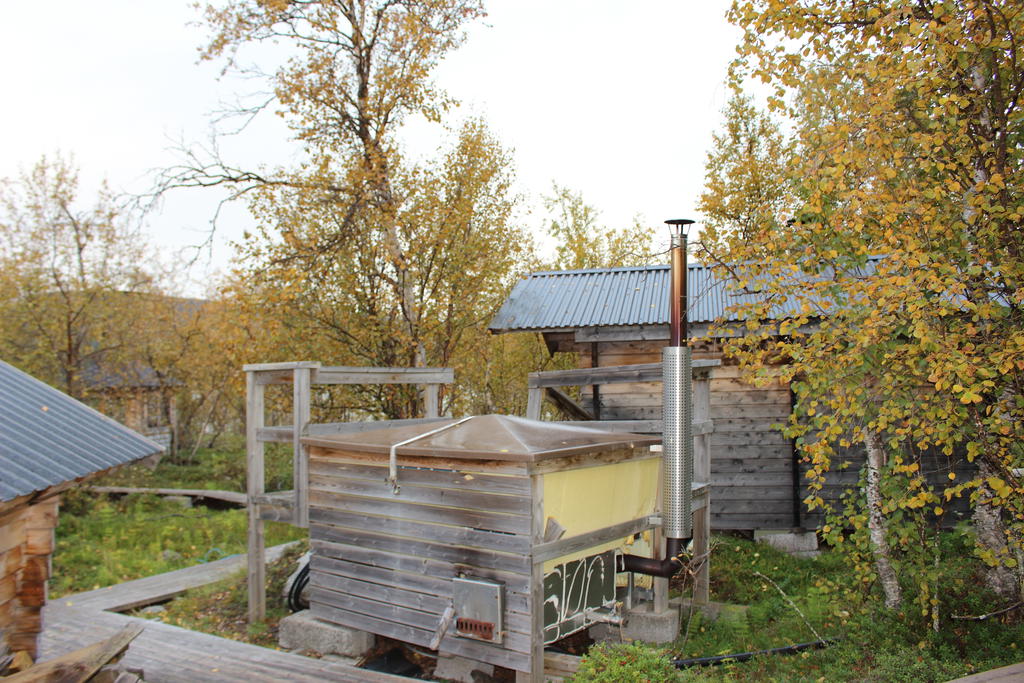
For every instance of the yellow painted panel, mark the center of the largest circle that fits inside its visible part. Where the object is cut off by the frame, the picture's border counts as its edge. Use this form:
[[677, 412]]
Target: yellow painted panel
[[592, 498]]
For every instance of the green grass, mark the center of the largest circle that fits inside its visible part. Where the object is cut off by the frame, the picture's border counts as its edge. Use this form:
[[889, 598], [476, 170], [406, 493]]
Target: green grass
[[222, 469], [221, 608], [872, 645], [105, 540]]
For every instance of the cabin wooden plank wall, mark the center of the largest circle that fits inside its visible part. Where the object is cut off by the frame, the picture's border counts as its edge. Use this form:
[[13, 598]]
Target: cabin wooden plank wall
[[752, 465], [26, 543], [844, 478], [361, 551]]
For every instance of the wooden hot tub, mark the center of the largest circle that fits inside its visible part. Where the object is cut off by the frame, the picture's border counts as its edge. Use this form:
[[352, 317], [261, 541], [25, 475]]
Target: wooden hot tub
[[501, 536]]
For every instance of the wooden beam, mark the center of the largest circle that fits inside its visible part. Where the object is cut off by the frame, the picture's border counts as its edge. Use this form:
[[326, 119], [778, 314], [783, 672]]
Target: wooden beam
[[537, 525], [290, 365], [564, 546], [620, 333], [559, 665], [628, 333], [282, 373], [80, 665], [566, 405], [356, 375], [432, 400], [612, 374]]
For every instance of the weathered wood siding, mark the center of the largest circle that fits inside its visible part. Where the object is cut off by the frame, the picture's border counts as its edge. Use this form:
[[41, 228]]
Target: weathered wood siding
[[26, 543], [844, 477], [751, 464], [384, 563]]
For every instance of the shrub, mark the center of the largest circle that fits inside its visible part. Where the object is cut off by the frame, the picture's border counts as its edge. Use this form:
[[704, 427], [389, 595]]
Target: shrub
[[616, 662]]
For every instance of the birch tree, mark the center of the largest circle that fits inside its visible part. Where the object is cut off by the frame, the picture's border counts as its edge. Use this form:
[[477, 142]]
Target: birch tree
[[356, 70], [68, 276], [904, 251], [582, 242]]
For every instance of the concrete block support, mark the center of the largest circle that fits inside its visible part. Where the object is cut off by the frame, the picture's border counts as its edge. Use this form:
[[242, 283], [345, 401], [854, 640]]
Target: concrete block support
[[797, 543], [651, 627], [712, 611], [303, 631]]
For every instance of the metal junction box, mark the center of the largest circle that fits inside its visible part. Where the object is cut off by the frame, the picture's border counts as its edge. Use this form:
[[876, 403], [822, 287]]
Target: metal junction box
[[479, 606]]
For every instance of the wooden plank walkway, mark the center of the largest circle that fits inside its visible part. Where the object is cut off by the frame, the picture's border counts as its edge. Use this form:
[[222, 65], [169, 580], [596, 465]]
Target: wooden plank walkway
[[169, 654], [1004, 674], [162, 587], [236, 497]]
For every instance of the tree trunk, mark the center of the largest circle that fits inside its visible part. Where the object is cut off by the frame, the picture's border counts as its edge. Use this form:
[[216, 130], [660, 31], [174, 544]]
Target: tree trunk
[[877, 523], [991, 534]]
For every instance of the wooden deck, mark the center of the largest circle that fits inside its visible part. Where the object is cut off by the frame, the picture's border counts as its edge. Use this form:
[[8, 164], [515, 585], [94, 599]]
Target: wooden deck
[[170, 654], [1005, 674]]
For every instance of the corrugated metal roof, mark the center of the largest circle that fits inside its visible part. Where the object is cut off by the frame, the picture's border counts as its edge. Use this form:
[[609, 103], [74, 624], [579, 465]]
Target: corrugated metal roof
[[608, 296], [48, 438], [571, 299]]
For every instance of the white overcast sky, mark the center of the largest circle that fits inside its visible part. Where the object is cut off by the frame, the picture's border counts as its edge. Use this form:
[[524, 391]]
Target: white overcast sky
[[615, 99]]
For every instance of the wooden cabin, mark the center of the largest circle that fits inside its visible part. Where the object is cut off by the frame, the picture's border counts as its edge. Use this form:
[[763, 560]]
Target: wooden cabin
[[619, 316], [137, 397], [48, 442]]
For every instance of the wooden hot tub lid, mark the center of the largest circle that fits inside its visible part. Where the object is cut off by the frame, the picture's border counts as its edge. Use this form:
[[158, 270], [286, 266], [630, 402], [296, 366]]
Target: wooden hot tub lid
[[486, 437]]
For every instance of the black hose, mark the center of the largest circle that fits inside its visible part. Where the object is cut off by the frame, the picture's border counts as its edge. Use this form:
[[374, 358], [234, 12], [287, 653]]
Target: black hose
[[745, 656], [295, 601]]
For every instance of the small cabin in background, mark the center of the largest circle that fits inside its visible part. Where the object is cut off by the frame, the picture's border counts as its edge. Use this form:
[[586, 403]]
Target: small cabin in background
[[139, 398], [619, 316], [48, 443]]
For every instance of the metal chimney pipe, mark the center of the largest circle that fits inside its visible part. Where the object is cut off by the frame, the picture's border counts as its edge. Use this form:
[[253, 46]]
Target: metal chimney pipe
[[677, 438], [677, 405], [677, 313]]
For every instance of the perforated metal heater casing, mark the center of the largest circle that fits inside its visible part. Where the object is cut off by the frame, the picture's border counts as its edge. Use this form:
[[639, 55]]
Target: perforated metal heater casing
[[677, 463]]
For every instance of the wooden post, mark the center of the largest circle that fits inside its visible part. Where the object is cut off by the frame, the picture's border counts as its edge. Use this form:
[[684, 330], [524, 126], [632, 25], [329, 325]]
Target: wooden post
[[302, 375], [534, 399], [659, 586], [300, 454], [255, 483], [536, 674], [432, 400], [702, 473]]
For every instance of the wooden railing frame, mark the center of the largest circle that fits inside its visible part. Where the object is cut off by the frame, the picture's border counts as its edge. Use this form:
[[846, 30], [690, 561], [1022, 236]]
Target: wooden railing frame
[[293, 506]]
